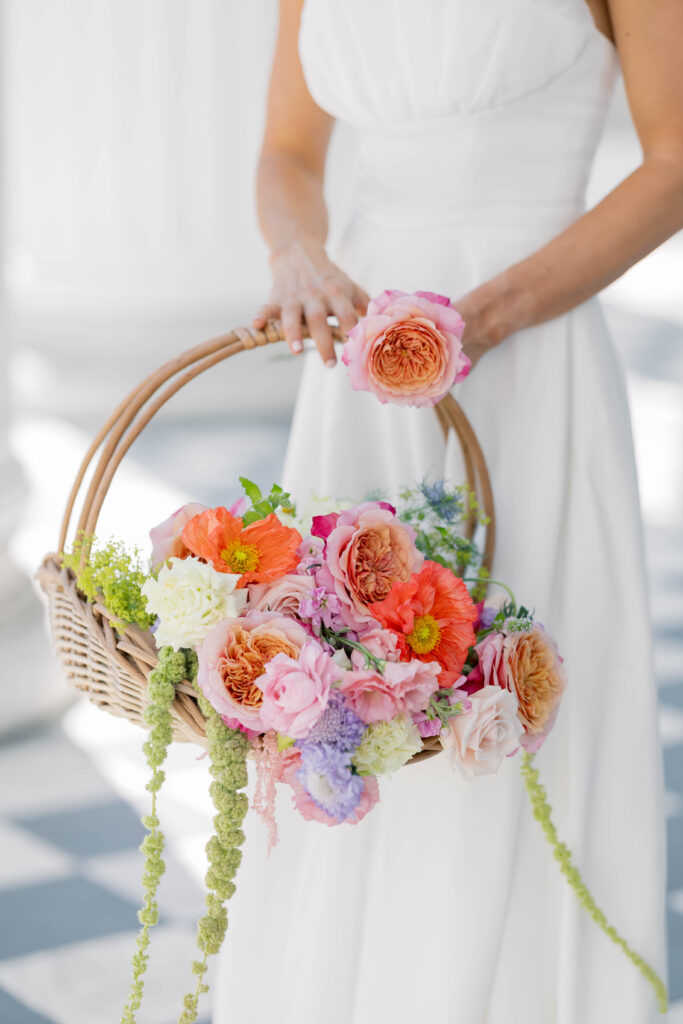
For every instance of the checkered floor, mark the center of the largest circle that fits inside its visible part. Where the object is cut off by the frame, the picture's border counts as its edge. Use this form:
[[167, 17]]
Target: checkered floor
[[70, 877], [70, 867]]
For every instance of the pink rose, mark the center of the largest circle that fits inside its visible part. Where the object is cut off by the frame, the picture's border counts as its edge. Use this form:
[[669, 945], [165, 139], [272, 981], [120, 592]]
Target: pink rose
[[370, 695], [478, 741], [491, 667], [368, 550], [282, 595], [413, 682], [232, 660], [408, 349], [403, 686], [383, 643], [296, 690], [166, 538]]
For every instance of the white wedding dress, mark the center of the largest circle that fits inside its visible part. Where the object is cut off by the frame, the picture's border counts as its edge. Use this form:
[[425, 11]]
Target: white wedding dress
[[477, 122]]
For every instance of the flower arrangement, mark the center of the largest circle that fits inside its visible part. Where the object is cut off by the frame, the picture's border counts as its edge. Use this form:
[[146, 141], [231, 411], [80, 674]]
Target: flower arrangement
[[331, 648]]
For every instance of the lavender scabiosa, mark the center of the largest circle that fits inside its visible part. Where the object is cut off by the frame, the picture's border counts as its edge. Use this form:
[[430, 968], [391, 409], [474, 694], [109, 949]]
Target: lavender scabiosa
[[326, 776], [338, 726]]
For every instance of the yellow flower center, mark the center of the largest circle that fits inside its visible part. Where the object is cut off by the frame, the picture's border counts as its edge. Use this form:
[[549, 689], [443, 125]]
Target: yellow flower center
[[425, 634], [240, 557]]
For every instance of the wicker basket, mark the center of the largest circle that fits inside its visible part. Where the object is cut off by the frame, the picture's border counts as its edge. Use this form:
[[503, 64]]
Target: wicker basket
[[112, 668]]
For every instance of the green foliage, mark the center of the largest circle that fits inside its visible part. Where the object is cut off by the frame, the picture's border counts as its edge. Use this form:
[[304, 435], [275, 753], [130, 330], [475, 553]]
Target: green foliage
[[562, 854], [228, 765], [440, 706], [438, 513], [115, 574], [262, 506], [172, 668]]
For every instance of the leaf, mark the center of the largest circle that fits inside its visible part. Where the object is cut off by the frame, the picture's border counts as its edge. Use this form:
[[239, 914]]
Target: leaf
[[250, 489]]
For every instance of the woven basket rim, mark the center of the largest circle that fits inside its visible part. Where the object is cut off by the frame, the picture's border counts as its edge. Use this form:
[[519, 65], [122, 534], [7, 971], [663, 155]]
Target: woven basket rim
[[131, 655]]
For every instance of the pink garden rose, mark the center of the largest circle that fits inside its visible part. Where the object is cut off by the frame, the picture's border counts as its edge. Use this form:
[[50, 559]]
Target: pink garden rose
[[370, 695], [296, 690], [282, 595], [404, 686], [232, 661], [478, 741], [491, 668], [408, 349], [414, 682], [367, 551], [529, 665], [166, 538], [383, 643]]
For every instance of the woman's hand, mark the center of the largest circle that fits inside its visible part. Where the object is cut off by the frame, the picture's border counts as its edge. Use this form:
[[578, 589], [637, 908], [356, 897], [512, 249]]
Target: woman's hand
[[307, 287], [491, 312]]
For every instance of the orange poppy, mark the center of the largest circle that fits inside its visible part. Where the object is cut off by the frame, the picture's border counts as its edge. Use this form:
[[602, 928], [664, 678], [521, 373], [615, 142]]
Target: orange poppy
[[258, 553], [432, 615]]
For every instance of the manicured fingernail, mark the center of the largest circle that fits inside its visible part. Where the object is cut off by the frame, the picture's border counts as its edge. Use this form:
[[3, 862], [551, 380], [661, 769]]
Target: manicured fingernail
[[330, 362], [297, 346]]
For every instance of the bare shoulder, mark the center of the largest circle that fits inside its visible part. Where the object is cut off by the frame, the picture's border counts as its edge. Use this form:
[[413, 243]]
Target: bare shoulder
[[649, 40]]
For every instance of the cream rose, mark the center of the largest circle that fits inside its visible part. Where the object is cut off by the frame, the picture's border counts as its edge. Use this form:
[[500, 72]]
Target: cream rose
[[189, 598], [478, 741]]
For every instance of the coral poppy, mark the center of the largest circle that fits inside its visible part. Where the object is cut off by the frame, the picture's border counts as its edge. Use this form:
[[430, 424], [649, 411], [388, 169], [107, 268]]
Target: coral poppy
[[432, 615], [258, 553]]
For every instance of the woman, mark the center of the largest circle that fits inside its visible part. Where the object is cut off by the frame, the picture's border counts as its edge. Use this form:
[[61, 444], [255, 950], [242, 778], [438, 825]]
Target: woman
[[476, 124]]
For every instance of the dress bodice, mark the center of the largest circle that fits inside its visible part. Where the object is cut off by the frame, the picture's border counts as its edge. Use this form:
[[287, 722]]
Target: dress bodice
[[463, 108]]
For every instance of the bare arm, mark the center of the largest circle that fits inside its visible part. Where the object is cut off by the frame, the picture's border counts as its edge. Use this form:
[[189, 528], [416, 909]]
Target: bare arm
[[292, 214], [637, 216]]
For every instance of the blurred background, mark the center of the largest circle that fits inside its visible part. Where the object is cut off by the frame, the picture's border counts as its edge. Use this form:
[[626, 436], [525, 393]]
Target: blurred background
[[129, 136]]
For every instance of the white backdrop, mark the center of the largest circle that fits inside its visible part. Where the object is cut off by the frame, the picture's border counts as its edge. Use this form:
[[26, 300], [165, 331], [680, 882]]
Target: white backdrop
[[131, 135]]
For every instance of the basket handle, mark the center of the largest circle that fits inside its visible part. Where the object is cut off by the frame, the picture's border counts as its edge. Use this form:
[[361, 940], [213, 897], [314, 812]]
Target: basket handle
[[131, 417]]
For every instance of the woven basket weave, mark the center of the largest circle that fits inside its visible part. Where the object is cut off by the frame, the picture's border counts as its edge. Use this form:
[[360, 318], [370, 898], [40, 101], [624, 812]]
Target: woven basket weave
[[112, 668]]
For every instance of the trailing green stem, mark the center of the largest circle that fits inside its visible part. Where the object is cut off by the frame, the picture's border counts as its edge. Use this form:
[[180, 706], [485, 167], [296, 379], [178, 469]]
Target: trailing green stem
[[488, 580], [228, 765], [371, 660], [543, 814], [171, 669]]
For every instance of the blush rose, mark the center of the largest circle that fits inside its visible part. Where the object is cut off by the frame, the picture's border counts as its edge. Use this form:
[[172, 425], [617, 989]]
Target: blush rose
[[408, 349]]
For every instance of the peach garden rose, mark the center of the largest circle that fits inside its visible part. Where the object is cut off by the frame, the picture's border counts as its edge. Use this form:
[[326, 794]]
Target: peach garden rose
[[367, 550], [408, 349], [529, 665], [232, 661]]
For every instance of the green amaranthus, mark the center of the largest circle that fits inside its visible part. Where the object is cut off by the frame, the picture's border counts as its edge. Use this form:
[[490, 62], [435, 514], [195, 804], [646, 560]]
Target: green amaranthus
[[228, 759], [543, 814], [171, 670], [227, 755]]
